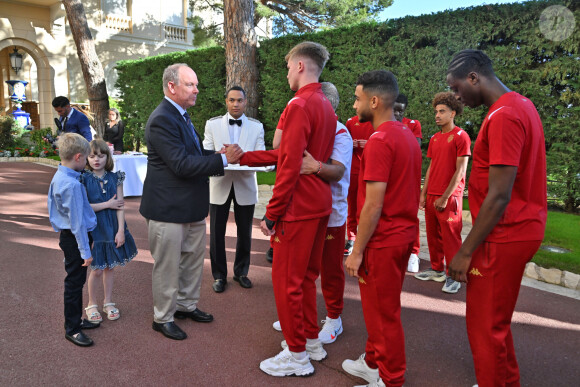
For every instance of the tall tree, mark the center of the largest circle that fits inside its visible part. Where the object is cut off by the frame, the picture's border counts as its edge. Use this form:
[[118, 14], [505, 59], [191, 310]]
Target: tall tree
[[287, 16], [241, 17], [240, 45], [90, 64]]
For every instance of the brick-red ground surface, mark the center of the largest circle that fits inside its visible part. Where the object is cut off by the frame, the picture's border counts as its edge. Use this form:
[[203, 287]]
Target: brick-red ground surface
[[227, 352]]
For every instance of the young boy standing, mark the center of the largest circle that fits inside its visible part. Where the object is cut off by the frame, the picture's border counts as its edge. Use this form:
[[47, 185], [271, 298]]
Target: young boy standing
[[442, 194], [70, 213]]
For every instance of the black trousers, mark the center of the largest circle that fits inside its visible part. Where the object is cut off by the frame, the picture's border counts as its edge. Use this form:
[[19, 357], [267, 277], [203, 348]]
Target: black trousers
[[76, 275], [217, 248]]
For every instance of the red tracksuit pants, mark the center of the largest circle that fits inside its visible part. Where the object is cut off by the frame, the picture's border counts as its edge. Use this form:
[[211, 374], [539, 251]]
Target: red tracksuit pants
[[351, 224], [381, 280], [332, 271], [298, 254], [443, 230], [495, 277], [417, 244]]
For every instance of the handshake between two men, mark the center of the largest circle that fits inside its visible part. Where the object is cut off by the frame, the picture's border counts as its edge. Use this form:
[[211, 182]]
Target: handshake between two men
[[233, 153]]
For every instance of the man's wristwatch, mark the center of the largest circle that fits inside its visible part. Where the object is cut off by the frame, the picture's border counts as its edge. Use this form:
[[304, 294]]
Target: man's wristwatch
[[269, 223]]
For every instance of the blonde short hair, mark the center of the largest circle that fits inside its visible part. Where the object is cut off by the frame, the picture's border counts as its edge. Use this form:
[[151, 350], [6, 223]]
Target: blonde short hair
[[100, 146], [69, 144], [311, 50]]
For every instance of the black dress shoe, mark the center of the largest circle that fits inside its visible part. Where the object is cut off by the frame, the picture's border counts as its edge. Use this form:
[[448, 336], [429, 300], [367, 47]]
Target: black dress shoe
[[219, 285], [86, 324], [270, 255], [196, 315], [169, 329], [80, 339], [243, 281]]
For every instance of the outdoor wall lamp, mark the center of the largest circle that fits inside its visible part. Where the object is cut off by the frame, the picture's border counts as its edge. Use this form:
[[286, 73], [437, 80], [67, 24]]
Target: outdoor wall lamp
[[16, 60]]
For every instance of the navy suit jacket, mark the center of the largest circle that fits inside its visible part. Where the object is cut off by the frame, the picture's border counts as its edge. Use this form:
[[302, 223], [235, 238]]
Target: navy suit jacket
[[176, 188], [78, 123]]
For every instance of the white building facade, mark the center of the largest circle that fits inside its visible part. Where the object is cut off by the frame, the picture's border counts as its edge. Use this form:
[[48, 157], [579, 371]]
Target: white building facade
[[121, 29]]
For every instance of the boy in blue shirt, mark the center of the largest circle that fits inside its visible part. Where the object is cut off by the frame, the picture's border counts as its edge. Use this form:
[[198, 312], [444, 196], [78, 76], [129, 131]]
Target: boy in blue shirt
[[70, 213]]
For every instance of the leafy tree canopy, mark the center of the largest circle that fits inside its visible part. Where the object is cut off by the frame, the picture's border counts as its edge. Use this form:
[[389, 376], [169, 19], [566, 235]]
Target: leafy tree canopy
[[287, 16]]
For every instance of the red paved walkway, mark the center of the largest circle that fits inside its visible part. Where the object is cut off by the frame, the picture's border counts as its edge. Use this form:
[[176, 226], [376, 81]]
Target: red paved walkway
[[227, 352]]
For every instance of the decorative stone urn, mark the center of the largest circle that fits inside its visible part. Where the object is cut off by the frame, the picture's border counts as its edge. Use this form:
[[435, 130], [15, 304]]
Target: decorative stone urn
[[18, 96]]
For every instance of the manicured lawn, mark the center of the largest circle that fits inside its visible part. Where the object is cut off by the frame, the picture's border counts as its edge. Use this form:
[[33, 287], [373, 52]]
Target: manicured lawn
[[266, 177], [562, 230]]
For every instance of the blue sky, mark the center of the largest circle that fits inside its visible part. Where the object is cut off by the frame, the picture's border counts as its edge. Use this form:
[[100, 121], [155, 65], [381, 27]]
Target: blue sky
[[401, 8]]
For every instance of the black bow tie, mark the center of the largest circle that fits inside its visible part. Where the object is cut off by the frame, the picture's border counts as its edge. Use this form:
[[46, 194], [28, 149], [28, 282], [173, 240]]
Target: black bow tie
[[237, 122]]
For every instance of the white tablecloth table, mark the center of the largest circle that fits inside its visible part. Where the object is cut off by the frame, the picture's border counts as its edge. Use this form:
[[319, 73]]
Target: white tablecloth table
[[135, 168]]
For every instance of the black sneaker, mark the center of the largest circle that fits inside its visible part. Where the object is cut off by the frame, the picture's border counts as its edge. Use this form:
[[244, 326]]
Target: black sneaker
[[348, 247], [270, 255]]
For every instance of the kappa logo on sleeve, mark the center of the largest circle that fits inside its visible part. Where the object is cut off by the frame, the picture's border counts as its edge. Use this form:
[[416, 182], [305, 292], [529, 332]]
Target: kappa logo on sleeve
[[362, 281], [277, 240], [329, 237], [475, 272]]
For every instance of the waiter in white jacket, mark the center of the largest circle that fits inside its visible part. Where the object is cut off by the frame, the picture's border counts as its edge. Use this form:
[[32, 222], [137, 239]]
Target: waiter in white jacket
[[237, 185]]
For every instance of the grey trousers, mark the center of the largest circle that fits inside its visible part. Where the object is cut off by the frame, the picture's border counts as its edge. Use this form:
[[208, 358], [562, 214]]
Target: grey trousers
[[178, 250]]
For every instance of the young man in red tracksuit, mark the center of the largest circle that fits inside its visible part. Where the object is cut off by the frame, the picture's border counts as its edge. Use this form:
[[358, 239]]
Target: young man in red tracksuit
[[442, 194], [389, 183], [297, 215], [507, 199], [400, 106], [360, 133]]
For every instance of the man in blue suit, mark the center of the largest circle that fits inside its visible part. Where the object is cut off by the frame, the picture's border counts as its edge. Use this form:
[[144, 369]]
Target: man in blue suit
[[175, 201], [71, 120]]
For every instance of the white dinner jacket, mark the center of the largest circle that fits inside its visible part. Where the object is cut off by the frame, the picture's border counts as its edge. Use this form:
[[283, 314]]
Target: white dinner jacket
[[251, 138]]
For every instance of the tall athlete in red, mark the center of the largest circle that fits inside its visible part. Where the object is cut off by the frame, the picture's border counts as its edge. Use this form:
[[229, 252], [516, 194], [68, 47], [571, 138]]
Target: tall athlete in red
[[507, 199], [401, 104], [297, 215], [360, 133], [390, 178], [442, 194]]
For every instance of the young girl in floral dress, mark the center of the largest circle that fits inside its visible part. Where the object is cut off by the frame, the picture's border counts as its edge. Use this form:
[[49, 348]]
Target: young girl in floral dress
[[113, 245]]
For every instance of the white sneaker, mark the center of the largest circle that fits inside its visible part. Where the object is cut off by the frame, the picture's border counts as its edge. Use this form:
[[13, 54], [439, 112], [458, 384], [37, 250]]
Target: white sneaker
[[277, 326], [284, 364], [376, 383], [330, 330], [314, 349], [413, 265], [360, 368], [451, 286]]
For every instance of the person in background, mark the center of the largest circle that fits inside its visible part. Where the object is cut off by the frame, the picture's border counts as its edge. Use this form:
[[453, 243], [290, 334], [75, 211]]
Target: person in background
[[114, 131], [240, 186], [400, 106], [360, 133], [71, 120], [442, 194], [508, 204]]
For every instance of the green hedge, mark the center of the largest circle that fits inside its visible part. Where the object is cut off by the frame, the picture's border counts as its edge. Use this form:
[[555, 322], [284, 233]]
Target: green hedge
[[417, 50]]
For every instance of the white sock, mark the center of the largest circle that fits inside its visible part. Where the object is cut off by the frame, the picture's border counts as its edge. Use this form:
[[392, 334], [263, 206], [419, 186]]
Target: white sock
[[299, 355], [312, 341]]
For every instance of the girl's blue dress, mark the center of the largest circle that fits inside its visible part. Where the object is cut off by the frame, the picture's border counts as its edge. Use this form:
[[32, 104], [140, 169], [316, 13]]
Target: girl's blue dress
[[105, 252]]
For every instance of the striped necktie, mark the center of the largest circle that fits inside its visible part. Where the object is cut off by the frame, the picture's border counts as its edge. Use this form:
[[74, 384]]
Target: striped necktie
[[190, 125]]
